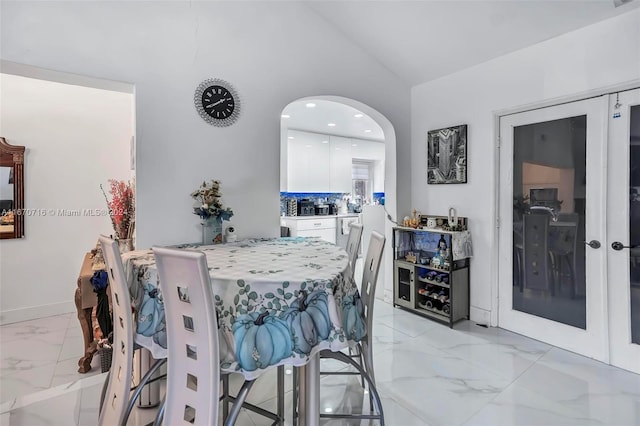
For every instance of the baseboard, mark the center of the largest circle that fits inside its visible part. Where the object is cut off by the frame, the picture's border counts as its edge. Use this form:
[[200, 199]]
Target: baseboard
[[35, 312], [480, 316], [388, 296]]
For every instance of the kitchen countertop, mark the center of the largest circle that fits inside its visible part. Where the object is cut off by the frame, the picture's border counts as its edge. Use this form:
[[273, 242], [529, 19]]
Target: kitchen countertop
[[326, 216]]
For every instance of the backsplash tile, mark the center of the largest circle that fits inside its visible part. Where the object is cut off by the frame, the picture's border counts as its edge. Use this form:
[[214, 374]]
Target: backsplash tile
[[326, 197]]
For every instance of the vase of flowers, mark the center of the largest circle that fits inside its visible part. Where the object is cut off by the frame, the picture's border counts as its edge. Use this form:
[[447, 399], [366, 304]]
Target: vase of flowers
[[122, 212], [211, 211]]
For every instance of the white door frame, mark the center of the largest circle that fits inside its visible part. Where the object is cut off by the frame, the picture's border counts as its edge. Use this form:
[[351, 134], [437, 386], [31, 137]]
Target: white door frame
[[496, 177]]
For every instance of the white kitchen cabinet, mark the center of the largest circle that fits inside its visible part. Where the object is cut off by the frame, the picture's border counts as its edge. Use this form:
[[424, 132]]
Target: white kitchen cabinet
[[328, 234], [323, 163], [367, 150], [312, 226], [340, 164], [308, 162]]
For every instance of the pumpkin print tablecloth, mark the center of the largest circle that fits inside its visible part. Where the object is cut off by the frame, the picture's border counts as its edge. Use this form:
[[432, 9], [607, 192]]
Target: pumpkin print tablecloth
[[278, 301]]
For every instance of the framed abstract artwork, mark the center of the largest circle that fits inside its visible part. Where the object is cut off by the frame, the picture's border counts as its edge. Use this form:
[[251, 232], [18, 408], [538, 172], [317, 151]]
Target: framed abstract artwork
[[447, 155]]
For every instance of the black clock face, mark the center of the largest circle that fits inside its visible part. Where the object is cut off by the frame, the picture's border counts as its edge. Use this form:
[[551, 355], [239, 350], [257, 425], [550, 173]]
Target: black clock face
[[218, 102]]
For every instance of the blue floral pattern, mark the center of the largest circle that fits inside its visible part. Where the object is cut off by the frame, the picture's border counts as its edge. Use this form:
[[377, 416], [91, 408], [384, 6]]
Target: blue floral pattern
[[277, 300]]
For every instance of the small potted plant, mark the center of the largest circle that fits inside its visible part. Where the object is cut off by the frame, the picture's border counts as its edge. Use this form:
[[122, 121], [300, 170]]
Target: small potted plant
[[211, 211]]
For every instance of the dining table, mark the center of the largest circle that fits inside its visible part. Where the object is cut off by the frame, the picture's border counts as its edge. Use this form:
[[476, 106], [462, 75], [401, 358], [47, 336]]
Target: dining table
[[279, 301]]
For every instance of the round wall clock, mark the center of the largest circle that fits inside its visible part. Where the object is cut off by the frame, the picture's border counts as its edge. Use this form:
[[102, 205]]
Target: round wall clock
[[217, 102]]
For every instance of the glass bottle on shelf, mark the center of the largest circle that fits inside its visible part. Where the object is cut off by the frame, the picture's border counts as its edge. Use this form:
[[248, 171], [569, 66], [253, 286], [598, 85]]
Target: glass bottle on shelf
[[442, 243]]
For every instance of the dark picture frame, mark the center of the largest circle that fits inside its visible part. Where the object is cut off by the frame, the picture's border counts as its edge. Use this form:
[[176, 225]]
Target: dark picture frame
[[447, 155]]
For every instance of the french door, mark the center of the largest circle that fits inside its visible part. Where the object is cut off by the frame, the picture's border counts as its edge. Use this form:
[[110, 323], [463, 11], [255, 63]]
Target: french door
[[569, 274], [623, 225], [552, 286]]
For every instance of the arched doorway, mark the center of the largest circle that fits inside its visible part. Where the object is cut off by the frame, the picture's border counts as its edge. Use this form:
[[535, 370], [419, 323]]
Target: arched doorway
[[339, 128]]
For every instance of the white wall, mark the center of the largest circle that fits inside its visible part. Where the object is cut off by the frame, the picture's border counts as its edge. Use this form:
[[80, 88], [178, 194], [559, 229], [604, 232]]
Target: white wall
[[76, 138], [600, 55], [273, 52]]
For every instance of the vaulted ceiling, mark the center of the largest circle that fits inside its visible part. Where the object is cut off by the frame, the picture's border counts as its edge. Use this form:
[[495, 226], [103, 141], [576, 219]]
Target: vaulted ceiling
[[423, 40]]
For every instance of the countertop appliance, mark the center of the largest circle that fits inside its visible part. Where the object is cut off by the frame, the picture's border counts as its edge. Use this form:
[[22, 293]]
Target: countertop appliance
[[333, 209], [306, 208], [292, 207], [322, 209]]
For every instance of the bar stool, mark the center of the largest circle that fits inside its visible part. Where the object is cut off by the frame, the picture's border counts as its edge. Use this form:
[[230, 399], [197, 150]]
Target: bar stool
[[115, 403], [353, 245], [193, 372], [363, 349]]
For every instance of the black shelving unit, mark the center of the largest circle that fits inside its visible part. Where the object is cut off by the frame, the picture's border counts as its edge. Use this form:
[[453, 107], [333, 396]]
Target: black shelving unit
[[440, 293]]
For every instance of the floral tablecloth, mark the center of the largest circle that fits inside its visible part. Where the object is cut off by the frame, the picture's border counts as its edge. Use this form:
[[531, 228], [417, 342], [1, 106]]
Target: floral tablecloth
[[278, 301]]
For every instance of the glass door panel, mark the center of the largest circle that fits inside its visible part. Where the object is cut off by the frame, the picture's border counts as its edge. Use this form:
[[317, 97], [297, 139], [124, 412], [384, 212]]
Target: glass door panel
[[549, 178]]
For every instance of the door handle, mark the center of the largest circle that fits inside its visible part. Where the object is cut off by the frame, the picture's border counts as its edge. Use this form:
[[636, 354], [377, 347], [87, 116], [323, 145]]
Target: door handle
[[594, 244], [617, 245]]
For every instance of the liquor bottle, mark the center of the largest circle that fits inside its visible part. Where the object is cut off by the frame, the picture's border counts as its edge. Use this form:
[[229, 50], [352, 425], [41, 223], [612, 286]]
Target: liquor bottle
[[446, 309], [442, 243]]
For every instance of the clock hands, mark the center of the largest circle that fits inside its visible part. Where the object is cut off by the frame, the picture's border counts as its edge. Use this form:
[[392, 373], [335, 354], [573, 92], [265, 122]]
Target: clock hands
[[215, 103]]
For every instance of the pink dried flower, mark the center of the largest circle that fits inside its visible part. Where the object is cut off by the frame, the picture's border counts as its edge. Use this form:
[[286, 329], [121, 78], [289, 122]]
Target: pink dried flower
[[121, 207]]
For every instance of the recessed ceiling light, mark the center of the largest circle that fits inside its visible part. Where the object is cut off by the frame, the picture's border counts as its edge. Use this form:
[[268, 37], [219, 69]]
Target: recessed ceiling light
[[285, 116], [325, 141], [359, 115], [331, 124], [328, 410], [290, 137], [310, 105], [368, 131], [354, 144]]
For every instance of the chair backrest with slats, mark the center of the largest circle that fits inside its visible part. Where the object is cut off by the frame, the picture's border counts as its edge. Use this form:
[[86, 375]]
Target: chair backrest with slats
[[353, 245], [119, 386], [537, 267], [371, 267], [193, 368]]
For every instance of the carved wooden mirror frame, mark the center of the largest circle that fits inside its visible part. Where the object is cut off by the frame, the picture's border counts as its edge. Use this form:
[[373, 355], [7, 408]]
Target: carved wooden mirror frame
[[13, 156]]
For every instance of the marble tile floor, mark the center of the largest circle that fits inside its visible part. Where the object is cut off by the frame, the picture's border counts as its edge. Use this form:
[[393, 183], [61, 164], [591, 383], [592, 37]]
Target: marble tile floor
[[427, 374]]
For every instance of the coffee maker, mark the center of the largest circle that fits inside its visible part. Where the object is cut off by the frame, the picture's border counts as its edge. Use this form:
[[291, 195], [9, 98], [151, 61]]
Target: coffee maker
[[306, 207]]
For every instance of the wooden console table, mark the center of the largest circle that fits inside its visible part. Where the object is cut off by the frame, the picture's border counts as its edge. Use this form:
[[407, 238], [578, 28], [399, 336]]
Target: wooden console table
[[85, 300]]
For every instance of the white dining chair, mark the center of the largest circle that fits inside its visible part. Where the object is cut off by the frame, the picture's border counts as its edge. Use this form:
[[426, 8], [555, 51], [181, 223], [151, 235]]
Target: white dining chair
[[363, 349], [370, 271], [193, 372], [116, 403], [353, 245]]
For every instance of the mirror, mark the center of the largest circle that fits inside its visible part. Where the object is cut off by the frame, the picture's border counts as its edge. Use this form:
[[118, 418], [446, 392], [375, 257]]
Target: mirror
[[11, 190]]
